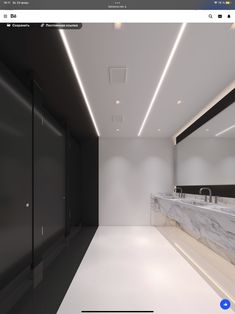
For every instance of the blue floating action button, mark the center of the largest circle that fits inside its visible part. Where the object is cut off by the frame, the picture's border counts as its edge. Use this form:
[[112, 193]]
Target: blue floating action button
[[225, 304]]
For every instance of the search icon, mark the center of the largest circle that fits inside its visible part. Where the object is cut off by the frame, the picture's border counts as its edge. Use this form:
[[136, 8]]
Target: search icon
[[210, 16]]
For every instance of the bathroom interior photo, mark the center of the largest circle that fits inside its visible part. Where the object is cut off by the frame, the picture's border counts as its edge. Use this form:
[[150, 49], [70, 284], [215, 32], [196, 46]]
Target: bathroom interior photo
[[117, 169]]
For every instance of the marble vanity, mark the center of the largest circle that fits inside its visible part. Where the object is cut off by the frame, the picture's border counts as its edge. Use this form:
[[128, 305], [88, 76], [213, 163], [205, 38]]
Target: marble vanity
[[211, 224]]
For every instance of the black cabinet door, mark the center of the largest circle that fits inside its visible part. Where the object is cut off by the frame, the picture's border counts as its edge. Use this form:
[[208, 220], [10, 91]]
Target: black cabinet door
[[49, 178], [15, 176]]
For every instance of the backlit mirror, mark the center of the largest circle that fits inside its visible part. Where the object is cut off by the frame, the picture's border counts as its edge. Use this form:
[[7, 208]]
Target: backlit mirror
[[207, 155]]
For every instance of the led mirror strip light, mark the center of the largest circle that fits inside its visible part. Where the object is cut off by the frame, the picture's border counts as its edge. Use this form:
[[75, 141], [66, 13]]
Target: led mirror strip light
[[212, 103], [170, 58], [226, 130], [70, 55]]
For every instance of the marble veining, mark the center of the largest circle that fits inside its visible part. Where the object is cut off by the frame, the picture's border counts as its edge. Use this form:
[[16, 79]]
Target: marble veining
[[228, 201], [211, 224]]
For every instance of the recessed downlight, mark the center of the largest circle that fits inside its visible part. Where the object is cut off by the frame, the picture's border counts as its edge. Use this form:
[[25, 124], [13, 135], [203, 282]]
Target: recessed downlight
[[179, 102], [233, 26], [207, 130], [167, 65], [117, 130], [117, 102], [117, 25], [159, 130]]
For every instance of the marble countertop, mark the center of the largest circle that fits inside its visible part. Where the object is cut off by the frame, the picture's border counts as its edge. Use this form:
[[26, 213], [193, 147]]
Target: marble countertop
[[210, 223], [200, 204]]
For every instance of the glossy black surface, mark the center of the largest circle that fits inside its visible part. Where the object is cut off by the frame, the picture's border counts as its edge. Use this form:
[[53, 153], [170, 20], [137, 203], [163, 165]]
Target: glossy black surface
[[49, 176], [47, 297], [226, 190], [74, 183], [59, 108], [41, 54], [15, 176], [90, 181]]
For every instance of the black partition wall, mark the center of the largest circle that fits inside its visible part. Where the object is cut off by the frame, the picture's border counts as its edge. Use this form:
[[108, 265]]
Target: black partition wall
[[15, 177], [49, 177], [90, 181], [74, 184], [48, 159]]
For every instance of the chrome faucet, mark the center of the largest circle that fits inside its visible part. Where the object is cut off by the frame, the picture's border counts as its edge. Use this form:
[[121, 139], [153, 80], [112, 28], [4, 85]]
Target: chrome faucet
[[180, 189], [210, 194]]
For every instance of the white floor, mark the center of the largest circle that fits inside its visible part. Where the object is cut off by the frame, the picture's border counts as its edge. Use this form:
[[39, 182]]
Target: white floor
[[137, 269], [215, 269]]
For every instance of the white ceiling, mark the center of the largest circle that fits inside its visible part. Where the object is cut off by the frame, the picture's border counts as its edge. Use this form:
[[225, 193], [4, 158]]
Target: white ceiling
[[204, 64]]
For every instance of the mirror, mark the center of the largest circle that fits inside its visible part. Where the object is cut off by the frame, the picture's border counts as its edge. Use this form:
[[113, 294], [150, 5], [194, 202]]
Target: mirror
[[207, 155]]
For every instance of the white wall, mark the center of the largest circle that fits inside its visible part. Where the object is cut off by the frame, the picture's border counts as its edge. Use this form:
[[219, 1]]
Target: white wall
[[129, 171], [205, 161]]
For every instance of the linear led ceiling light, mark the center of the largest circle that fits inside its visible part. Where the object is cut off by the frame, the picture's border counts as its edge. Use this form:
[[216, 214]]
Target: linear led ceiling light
[[177, 41], [70, 55], [226, 130]]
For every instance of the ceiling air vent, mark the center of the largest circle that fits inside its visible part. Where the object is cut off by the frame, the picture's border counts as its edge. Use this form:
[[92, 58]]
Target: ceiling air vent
[[118, 118], [117, 75]]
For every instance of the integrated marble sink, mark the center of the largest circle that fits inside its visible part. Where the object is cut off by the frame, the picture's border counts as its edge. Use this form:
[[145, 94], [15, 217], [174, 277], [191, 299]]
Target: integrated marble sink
[[212, 206], [193, 202], [210, 223], [169, 196]]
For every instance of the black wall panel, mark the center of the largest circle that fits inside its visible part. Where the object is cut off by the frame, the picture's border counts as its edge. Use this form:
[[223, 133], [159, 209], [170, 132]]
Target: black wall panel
[[74, 182], [225, 190], [42, 53], [90, 181], [42, 186], [15, 177], [49, 177]]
